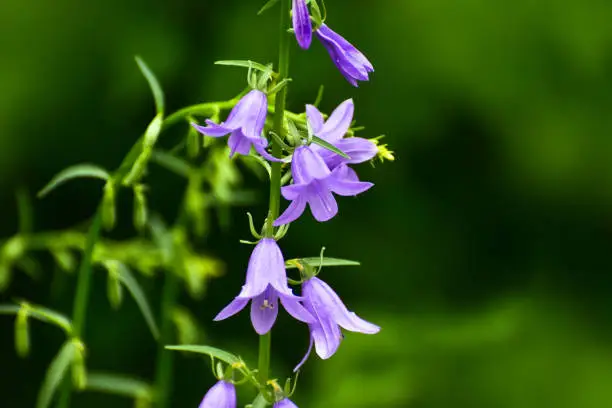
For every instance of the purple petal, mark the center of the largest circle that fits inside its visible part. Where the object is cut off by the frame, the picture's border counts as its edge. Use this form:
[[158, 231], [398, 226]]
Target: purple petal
[[307, 166], [265, 265], [346, 187], [305, 358], [326, 295], [292, 213], [315, 118], [357, 148], [302, 24], [255, 116], [239, 143], [285, 403], [322, 203], [264, 310], [220, 395], [345, 172], [212, 130], [272, 265], [234, 307], [327, 337], [295, 309], [261, 149], [338, 122]]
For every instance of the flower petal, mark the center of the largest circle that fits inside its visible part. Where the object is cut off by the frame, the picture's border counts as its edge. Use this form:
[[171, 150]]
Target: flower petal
[[292, 213], [260, 147], [346, 187], [338, 122], [357, 148], [305, 358], [264, 310], [327, 337], [246, 111], [315, 118], [220, 395], [239, 143], [285, 403], [255, 117], [348, 320], [234, 307], [302, 26], [212, 130], [295, 309], [307, 166], [322, 203], [266, 264]]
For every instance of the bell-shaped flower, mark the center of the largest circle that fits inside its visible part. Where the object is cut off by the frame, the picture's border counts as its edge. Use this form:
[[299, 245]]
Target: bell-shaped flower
[[331, 314], [333, 131], [349, 60], [285, 403], [302, 26], [266, 283], [221, 395], [314, 184], [245, 125]]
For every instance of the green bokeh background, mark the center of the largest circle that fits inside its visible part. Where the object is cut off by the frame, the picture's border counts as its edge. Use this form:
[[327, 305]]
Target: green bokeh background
[[485, 247]]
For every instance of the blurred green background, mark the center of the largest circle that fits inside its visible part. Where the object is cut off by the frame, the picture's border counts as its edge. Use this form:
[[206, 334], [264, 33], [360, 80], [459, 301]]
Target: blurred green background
[[485, 247]]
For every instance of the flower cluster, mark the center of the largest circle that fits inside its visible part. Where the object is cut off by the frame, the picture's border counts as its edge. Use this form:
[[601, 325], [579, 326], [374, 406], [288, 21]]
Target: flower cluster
[[319, 152]]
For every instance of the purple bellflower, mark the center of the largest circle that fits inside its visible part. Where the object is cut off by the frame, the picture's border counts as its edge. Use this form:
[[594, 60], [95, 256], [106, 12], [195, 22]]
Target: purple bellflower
[[245, 124], [302, 24], [221, 395], [313, 184], [285, 403], [331, 314], [333, 131], [266, 283], [349, 60]]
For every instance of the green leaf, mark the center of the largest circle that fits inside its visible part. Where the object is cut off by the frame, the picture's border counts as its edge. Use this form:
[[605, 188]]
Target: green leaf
[[329, 146], [114, 289], [118, 385], [267, 6], [127, 278], [73, 172], [158, 94], [40, 313], [294, 263], [244, 64], [22, 333], [140, 207], [172, 163], [211, 351], [260, 402], [55, 374], [153, 131]]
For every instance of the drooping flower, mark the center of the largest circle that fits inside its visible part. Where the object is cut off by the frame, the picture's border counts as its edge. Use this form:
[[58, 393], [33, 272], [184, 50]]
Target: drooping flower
[[313, 184], [285, 403], [302, 26], [220, 395], [245, 125], [350, 61], [266, 283], [333, 131], [330, 314]]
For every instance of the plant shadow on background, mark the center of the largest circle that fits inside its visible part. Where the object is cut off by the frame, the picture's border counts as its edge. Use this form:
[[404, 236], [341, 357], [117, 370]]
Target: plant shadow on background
[[484, 251]]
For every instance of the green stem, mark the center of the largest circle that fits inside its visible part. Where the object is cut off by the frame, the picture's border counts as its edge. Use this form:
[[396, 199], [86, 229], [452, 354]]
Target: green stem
[[265, 341], [81, 299], [165, 360]]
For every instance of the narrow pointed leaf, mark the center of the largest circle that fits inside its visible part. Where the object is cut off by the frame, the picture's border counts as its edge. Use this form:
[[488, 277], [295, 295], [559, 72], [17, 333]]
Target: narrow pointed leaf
[[73, 172], [316, 261], [172, 163], [127, 278], [269, 4], [329, 146], [243, 64], [158, 94], [55, 374], [222, 355], [118, 385]]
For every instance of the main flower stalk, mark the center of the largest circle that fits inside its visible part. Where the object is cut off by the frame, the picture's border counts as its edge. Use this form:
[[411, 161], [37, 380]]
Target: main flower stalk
[[265, 341]]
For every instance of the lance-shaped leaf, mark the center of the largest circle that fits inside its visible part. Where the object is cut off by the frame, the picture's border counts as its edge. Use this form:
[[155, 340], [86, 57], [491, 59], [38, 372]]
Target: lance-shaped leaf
[[269, 4], [158, 94], [129, 281], [244, 64], [117, 384], [326, 145], [316, 262], [55, 374], [73, 172], [213, 352], [40, 313]]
